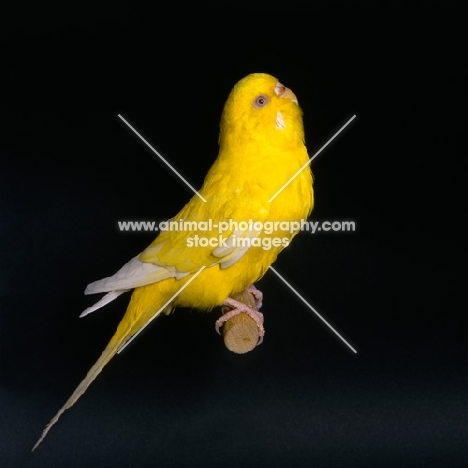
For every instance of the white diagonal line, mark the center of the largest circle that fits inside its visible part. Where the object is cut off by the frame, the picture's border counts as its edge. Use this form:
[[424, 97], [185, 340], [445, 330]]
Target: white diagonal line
[[156, 314], [162, 159], [311, 308], [309, 161]]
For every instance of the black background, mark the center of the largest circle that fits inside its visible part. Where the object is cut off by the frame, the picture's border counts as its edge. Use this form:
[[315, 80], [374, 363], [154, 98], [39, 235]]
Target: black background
[[177, 397]]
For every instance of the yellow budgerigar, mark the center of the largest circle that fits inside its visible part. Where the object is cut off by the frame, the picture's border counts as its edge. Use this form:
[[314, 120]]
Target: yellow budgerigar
[[256, 181]]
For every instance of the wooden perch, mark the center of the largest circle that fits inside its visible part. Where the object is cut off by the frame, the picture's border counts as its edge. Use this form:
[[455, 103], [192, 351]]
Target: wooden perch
[[240, 332]]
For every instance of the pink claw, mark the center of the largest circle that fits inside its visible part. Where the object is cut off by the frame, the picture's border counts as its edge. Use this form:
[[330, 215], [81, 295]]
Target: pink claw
[[239, 308], [257, 294]]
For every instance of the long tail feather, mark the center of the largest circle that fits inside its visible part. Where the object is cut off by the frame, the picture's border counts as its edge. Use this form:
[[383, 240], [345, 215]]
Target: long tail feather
[[140, 310], [106, 356]]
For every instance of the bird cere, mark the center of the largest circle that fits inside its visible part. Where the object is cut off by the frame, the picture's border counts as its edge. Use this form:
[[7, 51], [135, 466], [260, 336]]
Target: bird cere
[[261, 175]]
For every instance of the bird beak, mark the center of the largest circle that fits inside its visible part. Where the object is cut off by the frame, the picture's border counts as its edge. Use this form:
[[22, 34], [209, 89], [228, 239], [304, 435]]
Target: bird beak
[[282, 92]]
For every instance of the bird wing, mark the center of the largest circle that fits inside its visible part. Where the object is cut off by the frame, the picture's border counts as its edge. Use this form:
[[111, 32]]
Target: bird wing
[[175, 253], [218, 231], [136, 272]]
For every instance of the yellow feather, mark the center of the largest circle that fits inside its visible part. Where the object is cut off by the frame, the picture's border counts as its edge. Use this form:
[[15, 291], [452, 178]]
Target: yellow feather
[[260, 148]]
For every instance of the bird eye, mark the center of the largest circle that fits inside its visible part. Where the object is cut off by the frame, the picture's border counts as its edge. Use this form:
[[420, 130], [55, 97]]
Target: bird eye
[[260, 101]]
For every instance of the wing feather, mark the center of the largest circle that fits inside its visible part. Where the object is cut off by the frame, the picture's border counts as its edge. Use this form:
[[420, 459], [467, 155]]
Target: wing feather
[[134, 274]]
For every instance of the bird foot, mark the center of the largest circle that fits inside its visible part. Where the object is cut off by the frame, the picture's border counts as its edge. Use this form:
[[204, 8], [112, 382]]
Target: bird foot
[[240, 308], [257, 294]]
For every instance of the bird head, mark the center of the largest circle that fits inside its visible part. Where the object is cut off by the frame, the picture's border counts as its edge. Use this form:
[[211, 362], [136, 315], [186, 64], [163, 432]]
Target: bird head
[[260, 108]]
